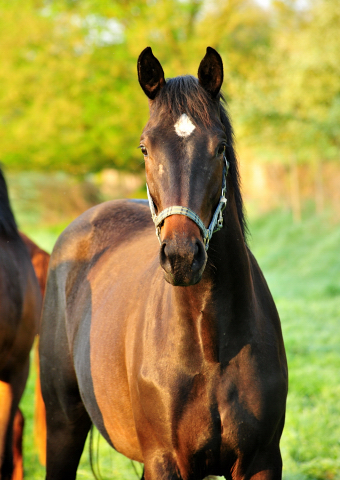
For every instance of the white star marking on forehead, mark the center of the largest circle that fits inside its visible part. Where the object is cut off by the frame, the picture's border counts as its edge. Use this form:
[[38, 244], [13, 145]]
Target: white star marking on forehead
[[184, 126]]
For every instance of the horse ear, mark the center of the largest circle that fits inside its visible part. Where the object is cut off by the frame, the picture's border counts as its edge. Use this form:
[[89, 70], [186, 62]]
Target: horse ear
[[210, 72], [150, 73]]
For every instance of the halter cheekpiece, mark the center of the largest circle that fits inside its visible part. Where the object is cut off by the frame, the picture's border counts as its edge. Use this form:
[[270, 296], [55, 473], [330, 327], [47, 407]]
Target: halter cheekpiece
[[216, 223]]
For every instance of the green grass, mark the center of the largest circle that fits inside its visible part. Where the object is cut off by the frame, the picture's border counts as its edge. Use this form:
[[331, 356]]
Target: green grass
[[302, 266]]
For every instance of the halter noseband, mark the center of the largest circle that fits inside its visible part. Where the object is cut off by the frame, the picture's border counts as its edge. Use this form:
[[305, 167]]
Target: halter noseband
[[216, 223]]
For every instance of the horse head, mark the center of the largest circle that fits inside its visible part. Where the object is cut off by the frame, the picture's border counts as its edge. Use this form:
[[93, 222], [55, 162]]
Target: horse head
[[184, 144]]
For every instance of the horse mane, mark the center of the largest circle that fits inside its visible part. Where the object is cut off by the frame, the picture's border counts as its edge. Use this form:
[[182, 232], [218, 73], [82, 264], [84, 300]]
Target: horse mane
[[233, 168], [184, 94], [8, 226]]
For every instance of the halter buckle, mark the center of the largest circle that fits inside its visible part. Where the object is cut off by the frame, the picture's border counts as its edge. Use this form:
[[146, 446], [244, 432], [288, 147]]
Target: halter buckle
[[220, 220]]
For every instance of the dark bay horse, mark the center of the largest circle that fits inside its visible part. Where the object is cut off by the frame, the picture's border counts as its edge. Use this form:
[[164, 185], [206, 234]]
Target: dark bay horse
[[20, 307], [40, 260], [172, 347]]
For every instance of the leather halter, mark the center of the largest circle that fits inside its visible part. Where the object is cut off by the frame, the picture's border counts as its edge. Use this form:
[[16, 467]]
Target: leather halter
[[216, 223]]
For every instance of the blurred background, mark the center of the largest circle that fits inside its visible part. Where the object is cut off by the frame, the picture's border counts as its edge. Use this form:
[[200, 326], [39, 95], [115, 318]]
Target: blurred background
[[71, 113]]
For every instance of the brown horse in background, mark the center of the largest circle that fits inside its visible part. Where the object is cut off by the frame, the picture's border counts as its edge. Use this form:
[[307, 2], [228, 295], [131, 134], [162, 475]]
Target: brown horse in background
[[20, 307], [40, 260], [174, 351]]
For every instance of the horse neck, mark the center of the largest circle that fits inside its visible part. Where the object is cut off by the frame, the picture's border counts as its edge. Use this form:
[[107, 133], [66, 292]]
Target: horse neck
[[229, 263], [218, 306]]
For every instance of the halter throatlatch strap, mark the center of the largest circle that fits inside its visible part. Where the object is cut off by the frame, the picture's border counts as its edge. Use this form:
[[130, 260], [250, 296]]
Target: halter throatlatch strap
[[216, 223]]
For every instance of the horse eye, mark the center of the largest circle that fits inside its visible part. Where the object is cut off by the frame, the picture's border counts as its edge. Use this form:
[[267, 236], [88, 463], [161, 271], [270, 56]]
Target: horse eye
[[144, 150], [221, 149]]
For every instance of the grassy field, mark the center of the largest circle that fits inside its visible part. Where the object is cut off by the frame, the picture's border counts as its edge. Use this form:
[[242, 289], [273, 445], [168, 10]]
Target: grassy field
[[302, 266]]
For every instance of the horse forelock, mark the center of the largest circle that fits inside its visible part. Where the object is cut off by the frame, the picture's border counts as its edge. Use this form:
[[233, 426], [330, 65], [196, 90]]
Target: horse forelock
[[184, 95], [8, 226]]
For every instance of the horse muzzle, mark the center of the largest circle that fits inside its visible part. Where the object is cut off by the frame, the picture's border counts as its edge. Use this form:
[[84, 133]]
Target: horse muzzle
[[182, 254]]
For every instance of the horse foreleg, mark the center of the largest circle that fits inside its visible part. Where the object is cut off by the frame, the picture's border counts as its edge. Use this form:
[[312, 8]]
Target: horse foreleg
[[266, 464], [65, 443], [160, 465]]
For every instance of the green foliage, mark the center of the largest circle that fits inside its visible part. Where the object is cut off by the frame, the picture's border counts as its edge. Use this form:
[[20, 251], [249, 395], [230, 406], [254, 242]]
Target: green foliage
[[296, 104], [70, 98]]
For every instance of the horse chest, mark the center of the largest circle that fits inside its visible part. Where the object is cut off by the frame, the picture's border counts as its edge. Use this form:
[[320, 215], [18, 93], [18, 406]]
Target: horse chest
[[215, 411], [198, 420]]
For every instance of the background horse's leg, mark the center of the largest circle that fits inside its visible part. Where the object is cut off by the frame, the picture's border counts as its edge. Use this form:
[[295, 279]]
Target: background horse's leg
[[18, 427], [39, 411], [13, 392], [6, 398]]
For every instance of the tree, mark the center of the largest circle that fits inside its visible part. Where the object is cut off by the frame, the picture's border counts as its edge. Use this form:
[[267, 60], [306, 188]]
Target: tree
[[293, 112], [71, 99]]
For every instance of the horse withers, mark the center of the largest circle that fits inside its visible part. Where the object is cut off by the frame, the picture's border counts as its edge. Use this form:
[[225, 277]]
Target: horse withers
[[20, 308], [170, 344]]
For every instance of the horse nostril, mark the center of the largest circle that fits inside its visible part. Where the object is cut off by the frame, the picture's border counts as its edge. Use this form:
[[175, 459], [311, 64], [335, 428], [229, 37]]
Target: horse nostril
[[162, 252], [199, 256], [164, 260]]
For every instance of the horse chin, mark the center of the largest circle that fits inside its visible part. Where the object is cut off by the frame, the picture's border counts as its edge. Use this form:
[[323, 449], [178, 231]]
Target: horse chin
[[178, 280]]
